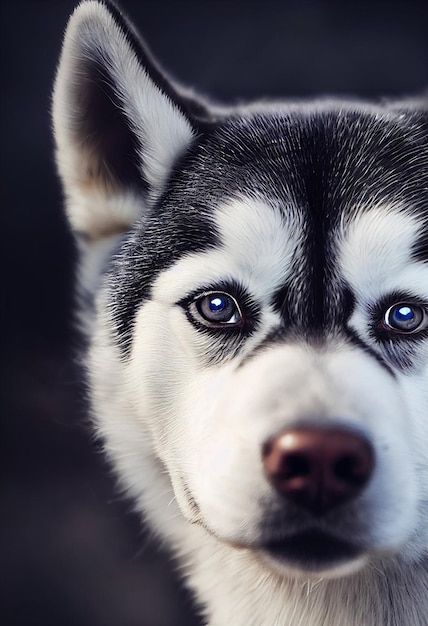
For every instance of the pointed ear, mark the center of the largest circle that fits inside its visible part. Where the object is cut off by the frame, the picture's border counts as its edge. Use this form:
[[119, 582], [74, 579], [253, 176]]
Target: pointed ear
[[119, 125]]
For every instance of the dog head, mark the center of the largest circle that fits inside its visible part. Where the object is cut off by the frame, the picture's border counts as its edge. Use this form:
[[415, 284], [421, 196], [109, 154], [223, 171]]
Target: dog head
[[259, 285]]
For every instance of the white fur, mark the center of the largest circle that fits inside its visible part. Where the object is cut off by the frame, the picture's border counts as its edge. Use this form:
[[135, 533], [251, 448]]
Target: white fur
[[375, 254]]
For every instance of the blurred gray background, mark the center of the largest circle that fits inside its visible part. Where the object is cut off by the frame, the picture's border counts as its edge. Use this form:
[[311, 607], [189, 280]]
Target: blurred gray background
[[72, 551]]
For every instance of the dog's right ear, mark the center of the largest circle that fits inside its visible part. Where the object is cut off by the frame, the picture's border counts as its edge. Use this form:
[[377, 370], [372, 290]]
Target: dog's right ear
[[119, 125]]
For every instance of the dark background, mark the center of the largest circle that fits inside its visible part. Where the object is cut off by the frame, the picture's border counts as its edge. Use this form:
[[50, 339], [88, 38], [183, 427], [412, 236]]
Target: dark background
[[72, 551]]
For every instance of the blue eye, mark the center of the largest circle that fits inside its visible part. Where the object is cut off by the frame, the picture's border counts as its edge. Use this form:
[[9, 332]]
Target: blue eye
[[219, 308], [404, 317]]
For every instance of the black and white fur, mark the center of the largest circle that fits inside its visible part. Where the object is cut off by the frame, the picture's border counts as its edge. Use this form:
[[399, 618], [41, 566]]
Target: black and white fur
[[314, 218]]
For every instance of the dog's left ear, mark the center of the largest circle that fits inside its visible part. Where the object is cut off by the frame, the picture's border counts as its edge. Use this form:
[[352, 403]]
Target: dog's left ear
[[119, 125]]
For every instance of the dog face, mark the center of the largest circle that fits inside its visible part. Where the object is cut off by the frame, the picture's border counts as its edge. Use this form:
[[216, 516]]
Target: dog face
[[260, 290]]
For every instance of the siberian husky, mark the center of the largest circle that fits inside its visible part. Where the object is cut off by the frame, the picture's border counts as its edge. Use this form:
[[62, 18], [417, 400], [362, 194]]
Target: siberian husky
[[254, 290]]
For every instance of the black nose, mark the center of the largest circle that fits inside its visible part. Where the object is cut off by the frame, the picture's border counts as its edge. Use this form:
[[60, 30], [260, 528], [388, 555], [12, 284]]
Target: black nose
[[318, 468]]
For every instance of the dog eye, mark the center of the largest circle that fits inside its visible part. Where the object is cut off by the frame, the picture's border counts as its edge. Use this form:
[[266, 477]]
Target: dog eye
[[404, 317], [218, 308]]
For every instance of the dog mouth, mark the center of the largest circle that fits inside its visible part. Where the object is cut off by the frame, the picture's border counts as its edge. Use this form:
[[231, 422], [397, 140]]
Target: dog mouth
[[308, 551], [312, 551]]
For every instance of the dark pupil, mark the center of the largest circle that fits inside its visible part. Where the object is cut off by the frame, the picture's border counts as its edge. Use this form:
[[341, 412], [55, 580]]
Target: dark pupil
[[217, 304], [404, 314]]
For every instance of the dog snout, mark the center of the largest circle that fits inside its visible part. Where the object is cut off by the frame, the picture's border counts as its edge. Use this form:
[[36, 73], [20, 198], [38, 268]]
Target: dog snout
[[318, 468]]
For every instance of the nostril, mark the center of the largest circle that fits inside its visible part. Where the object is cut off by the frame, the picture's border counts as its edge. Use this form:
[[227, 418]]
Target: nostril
[[295, 465], [351, 469]]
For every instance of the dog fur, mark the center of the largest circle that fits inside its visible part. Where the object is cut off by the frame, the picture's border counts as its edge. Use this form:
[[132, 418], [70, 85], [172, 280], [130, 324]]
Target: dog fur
[[310, 220]]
